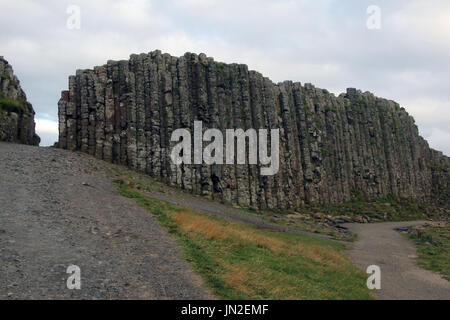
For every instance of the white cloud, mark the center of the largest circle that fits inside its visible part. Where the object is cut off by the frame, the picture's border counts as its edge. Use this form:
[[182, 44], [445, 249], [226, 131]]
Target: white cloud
[[426, 19], [47, 130], [438, 139]]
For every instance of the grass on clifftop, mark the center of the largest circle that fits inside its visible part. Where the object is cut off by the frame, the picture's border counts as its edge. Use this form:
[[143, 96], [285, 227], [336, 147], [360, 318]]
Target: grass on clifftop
[[239, 261], [8, 105], [433, 246]]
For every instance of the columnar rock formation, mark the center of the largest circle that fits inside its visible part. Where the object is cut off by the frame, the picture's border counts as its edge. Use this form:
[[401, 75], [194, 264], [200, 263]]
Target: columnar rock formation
[[16, 113], [331, 148]]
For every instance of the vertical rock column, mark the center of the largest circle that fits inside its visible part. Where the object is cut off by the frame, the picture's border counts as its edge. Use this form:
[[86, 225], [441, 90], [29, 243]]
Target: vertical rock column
[[331, 148]]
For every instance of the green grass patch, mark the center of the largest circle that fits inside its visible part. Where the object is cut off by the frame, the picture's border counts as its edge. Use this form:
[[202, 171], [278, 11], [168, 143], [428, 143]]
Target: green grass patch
[[8, 105], [433, 246], [239, 261], [330, 109], [385, 209]]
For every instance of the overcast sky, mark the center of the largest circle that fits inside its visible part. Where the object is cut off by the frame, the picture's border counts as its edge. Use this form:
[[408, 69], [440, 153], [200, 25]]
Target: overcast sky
[[325, 42]]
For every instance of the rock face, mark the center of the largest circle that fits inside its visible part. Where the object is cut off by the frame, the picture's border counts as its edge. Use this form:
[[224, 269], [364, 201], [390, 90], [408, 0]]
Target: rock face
[[16, 113], [331, 148]]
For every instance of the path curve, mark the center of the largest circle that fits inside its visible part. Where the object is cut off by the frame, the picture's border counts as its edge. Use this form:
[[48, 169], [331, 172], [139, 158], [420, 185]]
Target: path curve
[[401, 277]]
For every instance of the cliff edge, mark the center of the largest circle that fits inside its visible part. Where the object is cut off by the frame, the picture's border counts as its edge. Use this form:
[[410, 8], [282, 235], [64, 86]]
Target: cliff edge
[[16, 113]]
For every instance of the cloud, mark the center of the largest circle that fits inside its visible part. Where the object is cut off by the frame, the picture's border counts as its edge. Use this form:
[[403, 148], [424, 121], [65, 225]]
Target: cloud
[[47, 131], [439, 139], [324, 42]]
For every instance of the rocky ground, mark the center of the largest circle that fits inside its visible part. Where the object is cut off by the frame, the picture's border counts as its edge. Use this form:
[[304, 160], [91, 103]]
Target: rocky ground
[[58, 208], [56, 211]]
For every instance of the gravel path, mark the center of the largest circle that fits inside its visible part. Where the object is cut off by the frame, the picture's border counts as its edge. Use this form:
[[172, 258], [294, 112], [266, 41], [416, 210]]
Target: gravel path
[[401, 278], [55, 212]]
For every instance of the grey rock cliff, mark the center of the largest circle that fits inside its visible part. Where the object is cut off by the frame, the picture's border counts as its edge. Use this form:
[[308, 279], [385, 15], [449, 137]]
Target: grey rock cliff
[[16, 113], [330, 147]]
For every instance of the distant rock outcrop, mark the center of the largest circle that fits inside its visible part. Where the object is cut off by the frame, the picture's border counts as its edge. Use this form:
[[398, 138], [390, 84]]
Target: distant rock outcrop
[[331, 148], [16, 113]]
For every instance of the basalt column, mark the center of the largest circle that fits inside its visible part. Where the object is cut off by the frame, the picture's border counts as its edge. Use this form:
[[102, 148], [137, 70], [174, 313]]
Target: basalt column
[[331, 148]]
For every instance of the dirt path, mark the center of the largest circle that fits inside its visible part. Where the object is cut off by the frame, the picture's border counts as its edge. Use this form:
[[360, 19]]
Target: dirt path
[[401, 278], [55, 212]]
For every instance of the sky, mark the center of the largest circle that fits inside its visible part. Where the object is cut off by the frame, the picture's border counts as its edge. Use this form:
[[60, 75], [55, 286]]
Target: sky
[[400, 51]]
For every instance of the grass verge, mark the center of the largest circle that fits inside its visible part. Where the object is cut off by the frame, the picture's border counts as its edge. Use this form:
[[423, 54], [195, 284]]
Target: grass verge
[[8, 105], [433, 246], [239, 261]]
